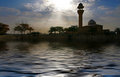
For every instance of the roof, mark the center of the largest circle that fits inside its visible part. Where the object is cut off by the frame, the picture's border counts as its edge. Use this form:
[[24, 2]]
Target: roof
[[91, 22]]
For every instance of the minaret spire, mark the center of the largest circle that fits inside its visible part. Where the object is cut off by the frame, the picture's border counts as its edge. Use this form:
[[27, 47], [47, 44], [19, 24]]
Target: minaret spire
[[80, 13]]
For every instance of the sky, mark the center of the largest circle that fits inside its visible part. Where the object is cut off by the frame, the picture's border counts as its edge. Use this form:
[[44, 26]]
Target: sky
[[43, 14]]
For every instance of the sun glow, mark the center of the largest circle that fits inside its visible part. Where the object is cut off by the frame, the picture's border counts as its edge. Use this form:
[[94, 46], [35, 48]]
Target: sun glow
[[61, 5]]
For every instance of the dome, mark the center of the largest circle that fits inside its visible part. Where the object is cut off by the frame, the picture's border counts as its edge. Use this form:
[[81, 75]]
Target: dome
[[80, 6], [91, 22]]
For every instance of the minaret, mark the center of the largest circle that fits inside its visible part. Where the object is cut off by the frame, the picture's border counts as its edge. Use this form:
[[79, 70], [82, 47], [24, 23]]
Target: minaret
[[80, 13]]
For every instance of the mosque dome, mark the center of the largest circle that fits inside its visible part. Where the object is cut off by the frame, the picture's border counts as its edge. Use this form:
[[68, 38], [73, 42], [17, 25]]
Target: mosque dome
[[91, 22]]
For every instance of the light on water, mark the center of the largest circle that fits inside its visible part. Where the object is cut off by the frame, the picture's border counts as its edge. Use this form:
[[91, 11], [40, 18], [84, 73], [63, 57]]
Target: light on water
[[61, 75], [53, 59]]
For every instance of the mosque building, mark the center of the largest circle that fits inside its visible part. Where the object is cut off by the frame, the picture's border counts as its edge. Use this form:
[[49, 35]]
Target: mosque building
[[92, 26]]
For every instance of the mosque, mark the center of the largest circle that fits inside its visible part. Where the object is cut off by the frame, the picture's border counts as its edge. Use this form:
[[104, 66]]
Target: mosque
[[92, 26]]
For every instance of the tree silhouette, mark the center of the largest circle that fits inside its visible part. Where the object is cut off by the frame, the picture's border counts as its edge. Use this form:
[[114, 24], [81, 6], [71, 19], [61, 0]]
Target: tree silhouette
[[3, 28], [54, 30], [117, 30], [22, 28], [19, 29], [30, 29], [59, 29], [71, 29]]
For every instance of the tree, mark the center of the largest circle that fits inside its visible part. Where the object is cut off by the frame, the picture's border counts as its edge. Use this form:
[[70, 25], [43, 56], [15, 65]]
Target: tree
[[55, 30], [22, 28], [117, 30], [66, 30], [3, 28], [19, 29], [52, 30], [71, 29], [59, 29], [30, 29]]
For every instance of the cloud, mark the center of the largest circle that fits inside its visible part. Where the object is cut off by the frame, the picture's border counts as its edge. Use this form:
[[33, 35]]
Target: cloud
[[39, 6], [9, 15], [114, 12], [91, 0], [89, 9], [4, 11], [103, 8], [109, 18], [42, 15]]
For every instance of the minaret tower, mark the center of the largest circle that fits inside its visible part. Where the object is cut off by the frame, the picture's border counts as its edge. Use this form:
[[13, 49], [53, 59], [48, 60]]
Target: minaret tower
[[80, 13]]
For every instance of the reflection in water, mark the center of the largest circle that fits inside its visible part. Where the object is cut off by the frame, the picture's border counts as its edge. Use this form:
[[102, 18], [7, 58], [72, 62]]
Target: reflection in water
[[53, 59], [3, 46]]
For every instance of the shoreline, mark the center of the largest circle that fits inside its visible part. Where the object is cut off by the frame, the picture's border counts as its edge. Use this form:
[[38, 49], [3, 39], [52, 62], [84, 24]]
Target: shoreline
[[64, 38]]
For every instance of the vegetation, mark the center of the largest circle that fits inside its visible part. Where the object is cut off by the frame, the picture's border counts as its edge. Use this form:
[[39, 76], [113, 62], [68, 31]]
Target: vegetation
[[35, 33], [59, 33], [22, 28], [3, 28], [56, 30], [117, 31], [71, 29], [60, 30]]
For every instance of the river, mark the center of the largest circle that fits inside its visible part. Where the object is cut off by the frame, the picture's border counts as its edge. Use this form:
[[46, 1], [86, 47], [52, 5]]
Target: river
[[55, 59]]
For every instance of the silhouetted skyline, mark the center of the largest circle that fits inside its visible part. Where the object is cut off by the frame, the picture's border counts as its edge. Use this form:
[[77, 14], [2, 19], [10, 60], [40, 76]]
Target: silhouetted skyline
[[42, 14]]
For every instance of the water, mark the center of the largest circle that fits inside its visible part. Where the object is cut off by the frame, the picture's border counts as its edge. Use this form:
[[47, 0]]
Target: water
[[53, 59]]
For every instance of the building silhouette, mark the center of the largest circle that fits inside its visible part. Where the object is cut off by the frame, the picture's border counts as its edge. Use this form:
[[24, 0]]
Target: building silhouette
[[92, 27], [80, 13]]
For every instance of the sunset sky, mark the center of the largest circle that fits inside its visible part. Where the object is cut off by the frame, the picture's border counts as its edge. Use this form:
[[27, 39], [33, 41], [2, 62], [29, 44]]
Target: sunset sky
[[42, 14]]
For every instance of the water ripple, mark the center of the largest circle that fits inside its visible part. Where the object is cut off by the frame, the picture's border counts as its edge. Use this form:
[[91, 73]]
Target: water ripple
[[50, 59]]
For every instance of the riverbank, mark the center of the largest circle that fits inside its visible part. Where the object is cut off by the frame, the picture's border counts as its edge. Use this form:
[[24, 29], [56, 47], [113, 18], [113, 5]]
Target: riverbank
[[70, 38], [7, 37]]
